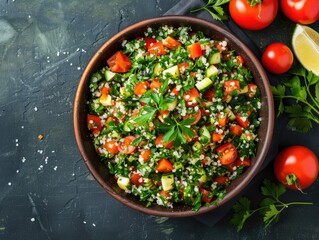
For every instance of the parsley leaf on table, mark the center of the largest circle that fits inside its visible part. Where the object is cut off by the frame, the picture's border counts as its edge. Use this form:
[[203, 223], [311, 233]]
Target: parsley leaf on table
[[214, 7], [270, 207], [303, 88]]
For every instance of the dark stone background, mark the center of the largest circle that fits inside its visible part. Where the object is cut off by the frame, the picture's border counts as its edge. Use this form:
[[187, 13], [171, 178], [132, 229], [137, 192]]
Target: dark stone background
[[46, 192]]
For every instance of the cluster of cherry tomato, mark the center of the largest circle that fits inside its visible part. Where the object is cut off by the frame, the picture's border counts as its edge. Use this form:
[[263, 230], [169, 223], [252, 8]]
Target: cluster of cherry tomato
[[259, 14]]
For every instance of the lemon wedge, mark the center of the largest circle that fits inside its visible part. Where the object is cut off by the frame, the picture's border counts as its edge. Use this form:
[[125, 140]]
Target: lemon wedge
[[305, 44]]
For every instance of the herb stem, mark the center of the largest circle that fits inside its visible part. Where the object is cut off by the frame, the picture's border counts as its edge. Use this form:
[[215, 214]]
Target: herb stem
[[298, 100], [309, 93]]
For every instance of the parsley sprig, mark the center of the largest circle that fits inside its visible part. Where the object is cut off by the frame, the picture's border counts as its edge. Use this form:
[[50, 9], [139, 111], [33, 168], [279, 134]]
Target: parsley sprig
[[303, 88], [214, 7], [177, 131], [270, 207]]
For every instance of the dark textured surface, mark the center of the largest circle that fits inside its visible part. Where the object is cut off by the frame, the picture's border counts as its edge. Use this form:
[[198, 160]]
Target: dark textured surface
[[46, 191]]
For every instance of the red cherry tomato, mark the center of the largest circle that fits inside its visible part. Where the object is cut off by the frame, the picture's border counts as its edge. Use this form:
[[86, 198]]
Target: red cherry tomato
[[197, 117], [119, 62], [301, 11], [171, 42], [227, 153], [149, 42], [253, 17], [277, 58], [296, 167]]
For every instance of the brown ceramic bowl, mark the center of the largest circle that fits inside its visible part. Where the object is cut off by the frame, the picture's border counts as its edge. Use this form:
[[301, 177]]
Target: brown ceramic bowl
[[84, 141]]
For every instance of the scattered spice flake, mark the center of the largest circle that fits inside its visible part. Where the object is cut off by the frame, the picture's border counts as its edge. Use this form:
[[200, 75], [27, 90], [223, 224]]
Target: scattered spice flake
[[32, 219], [40, 136]]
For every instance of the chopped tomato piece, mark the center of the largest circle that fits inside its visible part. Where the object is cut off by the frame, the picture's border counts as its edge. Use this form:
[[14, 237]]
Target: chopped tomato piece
[[112, 146], [240, 59], [145, 154], [105, 90], [209, 95], [236, 130], [141, 87], [119, 62], [137, 179], [159, 142], [222, 180], [165, 194], [243, 162], [222, 120], [227, 153], [157, 48], [197, 117], [171, 42], [193, 74], [252, 89], [204, 160], [162, 115], [242, 121], [191, 97], [175, 92], [217, 137], [149, 42], [182, 66], [195, 50], [94, 123], [125, 147], [164, 166], [155, 84], [206, 195], [230, 86]]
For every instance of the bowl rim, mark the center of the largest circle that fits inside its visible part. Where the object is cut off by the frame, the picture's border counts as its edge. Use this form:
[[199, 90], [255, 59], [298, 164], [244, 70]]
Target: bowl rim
[[260, 158]]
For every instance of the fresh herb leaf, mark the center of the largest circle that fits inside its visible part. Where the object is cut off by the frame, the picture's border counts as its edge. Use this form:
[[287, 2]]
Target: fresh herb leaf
[[305, 110], [215, 9], [270, 207], [146, 116]]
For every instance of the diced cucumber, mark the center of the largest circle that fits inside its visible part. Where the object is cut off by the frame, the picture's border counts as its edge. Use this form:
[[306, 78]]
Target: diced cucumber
[[97, 76], [189, 194], [167, 182], [211, 71], [203, 177], [172, 105], [215, 58], [197, 147], [106, 100], [230, 114], [109, 75], [115, 134], [205, 136], [244, 89], [178, 166], [125, 93], [173, 71], [157, 69], [205, 83], [123, 183], [149, 183], [128, 126]]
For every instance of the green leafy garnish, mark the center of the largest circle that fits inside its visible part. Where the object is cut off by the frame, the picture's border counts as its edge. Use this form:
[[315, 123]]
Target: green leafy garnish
[[214, 7], [303, 88], [270, 207]]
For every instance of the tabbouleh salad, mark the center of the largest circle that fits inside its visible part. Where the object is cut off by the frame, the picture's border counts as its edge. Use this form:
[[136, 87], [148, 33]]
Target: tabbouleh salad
[[174, 116]]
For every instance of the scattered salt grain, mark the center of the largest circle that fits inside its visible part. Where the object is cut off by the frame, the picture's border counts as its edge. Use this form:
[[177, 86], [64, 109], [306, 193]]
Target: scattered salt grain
[[9, 183], [35, 109], [40, 167], [93, 224], [78, 68], [84, 222], [17, 171], [23, 159], [32, 219], [40, 151], [55, 168]]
